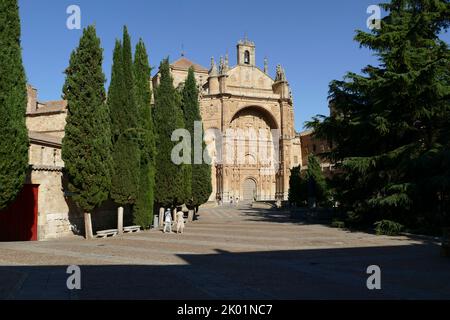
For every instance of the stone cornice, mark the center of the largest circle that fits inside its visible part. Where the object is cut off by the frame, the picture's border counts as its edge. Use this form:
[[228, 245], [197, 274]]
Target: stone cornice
[[46, 168], [231, 95], [45, 140], [44, 113]]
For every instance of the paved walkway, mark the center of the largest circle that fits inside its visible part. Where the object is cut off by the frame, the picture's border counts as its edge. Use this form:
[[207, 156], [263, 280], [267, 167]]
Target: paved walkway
[[229, 253]]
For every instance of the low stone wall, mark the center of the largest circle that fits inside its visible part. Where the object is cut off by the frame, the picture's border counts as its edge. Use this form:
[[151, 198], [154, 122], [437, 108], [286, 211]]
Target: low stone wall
[[103, 218], [58, 225], [58, 216]]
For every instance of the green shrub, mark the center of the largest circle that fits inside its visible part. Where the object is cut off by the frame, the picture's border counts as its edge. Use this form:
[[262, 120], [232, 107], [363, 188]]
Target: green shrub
[[388, 228]]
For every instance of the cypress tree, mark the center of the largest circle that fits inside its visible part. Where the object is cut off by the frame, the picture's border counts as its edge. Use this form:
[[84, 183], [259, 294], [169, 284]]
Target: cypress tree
[[124, 123], [168, 116], [295, 186], [317, 187], [13, 102], [87, 142], [199, 174], [143, 209], [390, 124], [114, 93]]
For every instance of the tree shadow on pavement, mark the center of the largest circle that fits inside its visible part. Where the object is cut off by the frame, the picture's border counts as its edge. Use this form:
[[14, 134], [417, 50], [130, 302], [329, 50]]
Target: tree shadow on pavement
[[407, 272]]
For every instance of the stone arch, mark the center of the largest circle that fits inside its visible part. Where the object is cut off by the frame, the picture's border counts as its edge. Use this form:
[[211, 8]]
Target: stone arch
[[247, 57], [267, 115], [250, 159], [262, 147]]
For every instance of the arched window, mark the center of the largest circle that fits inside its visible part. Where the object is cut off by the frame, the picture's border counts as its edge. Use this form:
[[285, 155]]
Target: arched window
[[247, 57]]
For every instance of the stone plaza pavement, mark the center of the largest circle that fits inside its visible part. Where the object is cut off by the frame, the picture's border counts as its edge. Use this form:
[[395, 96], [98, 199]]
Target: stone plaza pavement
[[228, 253]]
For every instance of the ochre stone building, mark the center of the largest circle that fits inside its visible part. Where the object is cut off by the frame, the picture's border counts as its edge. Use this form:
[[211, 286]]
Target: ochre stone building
[[57, 215], [242, 99], [245, 99]]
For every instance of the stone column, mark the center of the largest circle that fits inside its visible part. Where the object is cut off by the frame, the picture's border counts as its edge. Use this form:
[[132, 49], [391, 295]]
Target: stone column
[[161, 217], [120, 220]]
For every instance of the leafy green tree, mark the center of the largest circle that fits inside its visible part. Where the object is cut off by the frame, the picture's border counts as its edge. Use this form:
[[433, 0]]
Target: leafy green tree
[[124, 124], [143, 209], [390, 125], [198, 181], [86, 146], [168, 117], [13, 103]]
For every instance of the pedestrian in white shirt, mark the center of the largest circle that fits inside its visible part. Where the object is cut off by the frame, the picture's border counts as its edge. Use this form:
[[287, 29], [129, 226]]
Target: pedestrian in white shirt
[[167, 221]]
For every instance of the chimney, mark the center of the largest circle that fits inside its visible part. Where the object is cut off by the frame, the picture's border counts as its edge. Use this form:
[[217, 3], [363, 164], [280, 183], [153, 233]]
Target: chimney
[[32, 99]]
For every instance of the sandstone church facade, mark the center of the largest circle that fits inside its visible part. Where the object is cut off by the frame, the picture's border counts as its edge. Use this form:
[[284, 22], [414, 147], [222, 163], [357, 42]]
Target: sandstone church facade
[[240, 97], [244, 98]]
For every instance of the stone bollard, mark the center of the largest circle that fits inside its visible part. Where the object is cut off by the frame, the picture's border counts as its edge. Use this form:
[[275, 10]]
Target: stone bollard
[[120, 220], [161, 217], [156, 222], [190, 216]]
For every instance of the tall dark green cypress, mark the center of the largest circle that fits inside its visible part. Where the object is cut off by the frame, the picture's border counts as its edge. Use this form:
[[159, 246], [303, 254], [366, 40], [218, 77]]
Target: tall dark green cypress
[[317, 186], [168, 117], [86, 147], [295, 181], [13, 103], [124, 124], [390, 124], [143, 209], [115, 101], [200, 173]]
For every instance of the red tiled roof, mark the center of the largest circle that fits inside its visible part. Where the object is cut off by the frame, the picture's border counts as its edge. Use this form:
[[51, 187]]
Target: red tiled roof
[[185, 64]]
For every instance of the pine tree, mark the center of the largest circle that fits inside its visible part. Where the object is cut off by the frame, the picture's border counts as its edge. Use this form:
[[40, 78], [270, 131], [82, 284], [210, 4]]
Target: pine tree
[[87, 142], [13, 102], [143, 209], [199, 182], [168, 116], [124, 125], [390, 124]]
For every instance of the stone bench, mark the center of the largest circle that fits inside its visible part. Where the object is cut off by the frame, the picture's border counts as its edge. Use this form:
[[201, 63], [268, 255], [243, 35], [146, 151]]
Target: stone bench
[[131, 229], [107, 233]]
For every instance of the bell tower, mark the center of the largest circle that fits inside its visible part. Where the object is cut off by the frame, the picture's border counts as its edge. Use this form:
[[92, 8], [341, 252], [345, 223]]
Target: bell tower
[[246, 53]]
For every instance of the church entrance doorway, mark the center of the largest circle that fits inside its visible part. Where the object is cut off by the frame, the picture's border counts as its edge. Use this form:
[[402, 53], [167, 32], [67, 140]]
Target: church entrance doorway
[[249, 190]]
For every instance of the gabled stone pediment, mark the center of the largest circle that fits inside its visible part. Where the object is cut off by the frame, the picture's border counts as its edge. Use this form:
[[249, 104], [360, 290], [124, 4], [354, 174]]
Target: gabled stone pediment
[[242, 76]]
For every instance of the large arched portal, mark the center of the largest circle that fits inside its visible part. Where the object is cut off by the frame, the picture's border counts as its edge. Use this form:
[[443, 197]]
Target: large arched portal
[[258, 112], [250, 149], [251, 139]]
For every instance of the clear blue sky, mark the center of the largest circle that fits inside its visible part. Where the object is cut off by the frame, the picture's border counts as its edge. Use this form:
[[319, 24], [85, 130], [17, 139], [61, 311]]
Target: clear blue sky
[[313, 40]]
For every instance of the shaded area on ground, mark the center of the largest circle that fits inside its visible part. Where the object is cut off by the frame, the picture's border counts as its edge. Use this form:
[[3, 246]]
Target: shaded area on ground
[[408, 272]]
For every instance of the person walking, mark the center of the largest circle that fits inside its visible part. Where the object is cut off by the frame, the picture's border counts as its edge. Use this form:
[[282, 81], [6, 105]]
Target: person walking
[[167, 221], [180, 221]]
